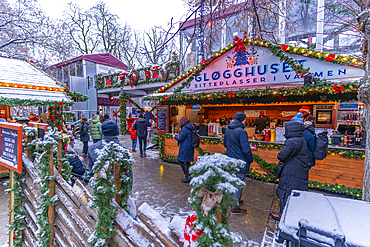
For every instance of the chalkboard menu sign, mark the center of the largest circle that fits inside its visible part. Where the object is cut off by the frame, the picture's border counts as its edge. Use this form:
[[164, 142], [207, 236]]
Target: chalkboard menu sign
[[162, 118], [11, 146]]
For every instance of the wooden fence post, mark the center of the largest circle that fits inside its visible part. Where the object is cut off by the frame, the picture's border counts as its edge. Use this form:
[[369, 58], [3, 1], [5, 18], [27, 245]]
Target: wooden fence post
[[51, 210], [117, 171], [59, 157]]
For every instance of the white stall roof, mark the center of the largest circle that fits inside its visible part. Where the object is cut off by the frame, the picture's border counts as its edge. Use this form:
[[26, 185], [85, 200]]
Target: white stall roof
[[20, 72]]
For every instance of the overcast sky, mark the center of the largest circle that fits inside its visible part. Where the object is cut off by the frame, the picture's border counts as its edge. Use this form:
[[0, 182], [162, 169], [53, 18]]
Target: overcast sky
[[140, 14]]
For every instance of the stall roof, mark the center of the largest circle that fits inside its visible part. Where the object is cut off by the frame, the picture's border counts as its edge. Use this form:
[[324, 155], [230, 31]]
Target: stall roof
[[14, 74], [101, 58]]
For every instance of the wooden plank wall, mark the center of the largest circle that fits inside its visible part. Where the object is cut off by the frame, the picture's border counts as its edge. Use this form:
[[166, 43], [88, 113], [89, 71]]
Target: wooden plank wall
[[333, 169]]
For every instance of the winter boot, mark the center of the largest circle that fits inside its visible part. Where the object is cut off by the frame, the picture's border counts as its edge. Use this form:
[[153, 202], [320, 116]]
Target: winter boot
[[186, 179]]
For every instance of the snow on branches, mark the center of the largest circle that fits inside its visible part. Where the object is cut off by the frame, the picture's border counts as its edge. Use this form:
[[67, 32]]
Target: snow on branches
[[112, 154], [214, 173]]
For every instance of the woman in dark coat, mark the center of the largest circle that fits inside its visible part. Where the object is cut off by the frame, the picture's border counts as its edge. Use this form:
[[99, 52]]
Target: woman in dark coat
[[294, 175], [186, 151], [84, 135], [309, 136]]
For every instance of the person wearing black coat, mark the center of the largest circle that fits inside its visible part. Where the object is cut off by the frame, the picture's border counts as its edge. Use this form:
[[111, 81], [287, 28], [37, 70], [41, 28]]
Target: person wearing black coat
[[84, 135], [309, 136], [237, 146], [186, 151], [294, 154], [141, 126]]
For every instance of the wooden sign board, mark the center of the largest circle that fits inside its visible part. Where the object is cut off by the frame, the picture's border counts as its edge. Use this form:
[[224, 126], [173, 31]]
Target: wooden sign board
[[162, 118], [11, 135]]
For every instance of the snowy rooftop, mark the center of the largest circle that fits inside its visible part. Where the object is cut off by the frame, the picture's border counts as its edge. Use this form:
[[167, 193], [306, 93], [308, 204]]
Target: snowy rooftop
[[22, 73]]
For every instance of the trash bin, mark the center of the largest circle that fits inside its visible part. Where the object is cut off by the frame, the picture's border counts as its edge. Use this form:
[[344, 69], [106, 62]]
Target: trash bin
[[312, 219]]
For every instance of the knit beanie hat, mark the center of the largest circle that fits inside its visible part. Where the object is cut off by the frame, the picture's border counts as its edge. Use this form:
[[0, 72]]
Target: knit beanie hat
[[106, 116], [298, 117], [109, 128], [183, 121], [240, 116]]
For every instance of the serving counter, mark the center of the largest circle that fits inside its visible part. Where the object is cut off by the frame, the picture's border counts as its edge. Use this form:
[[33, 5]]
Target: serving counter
[[342, 166]]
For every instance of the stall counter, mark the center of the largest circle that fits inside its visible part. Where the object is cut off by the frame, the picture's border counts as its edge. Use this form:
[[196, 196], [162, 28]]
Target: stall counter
[[338, 167]]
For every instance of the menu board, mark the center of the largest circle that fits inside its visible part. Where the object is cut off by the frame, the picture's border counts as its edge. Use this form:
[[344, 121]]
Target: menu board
[[11, 146], [162, 118]]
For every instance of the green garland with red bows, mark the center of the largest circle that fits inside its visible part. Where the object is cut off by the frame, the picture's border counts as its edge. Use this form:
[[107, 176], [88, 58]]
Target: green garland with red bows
[[76, 96], [278, 50], [321, 91], [123, 112]]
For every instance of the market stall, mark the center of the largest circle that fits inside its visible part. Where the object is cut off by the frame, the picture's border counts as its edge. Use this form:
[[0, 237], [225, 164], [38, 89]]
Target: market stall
[[257, 77]]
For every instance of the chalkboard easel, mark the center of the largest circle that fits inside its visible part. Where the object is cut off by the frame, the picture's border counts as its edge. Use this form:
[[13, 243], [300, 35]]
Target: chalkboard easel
[[163, 118]]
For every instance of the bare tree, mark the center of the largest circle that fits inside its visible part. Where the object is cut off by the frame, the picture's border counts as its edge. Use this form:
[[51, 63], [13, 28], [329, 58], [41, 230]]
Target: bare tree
[[26, 32], [81, 29]]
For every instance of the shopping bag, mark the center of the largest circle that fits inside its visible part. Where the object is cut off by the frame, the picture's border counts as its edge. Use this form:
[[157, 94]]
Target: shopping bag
[[131, 207]]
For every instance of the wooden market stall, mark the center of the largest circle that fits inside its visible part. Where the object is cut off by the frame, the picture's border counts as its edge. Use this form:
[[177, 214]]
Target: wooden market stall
[[254, 76]]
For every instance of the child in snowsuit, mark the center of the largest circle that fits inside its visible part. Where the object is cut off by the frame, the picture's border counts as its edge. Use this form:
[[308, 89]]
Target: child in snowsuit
[[133, 135]]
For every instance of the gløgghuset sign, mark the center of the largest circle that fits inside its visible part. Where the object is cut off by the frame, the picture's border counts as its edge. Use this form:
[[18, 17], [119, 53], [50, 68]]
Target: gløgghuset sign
[[11, 146], [259, 66]]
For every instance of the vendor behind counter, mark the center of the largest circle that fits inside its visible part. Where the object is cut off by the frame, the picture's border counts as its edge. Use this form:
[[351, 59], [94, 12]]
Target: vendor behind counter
[[261, 122]]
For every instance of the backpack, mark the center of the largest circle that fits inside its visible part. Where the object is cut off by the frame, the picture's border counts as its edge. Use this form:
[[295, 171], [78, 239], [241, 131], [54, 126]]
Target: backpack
[[321, 146], [195, 139]]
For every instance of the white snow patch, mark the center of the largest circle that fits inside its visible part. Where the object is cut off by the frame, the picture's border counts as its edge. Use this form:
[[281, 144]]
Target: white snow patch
[[178, 225]]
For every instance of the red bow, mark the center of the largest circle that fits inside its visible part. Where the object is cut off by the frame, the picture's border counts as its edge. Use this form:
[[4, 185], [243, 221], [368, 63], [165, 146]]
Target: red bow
[[107, 82], [155, 75], [239, 44], [147, 74], [284, 47], [190, 235], [60, 103], [330, 57], [208, 101], [337, 88], [60, 128]]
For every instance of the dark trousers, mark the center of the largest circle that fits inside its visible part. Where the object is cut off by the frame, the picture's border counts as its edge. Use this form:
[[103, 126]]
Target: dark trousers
[[238, 194], [185, 168], [85, 148], [142, 141]]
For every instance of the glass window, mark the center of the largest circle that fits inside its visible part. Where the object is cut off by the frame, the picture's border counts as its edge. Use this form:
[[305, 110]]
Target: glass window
[[79, 67], [90, 68]]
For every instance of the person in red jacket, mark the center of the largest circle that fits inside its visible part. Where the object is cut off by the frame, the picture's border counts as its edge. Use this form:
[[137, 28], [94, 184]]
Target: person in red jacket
[[133, 136]]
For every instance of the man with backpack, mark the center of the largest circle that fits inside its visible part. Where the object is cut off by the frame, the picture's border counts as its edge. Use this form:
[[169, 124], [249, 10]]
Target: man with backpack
[[188, 140], [237, 146]]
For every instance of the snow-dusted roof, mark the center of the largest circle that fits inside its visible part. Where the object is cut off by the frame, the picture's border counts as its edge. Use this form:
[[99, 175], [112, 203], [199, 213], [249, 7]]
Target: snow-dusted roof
[[19, 72]]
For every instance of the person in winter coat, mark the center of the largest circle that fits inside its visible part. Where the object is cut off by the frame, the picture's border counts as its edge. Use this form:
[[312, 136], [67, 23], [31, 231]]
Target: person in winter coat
[[141, 125], [186, 151], [110, 134], [133, 136], [150, 130], [309, 137], [148, 115], [76, 162], [84, 135], [294, 154], [237, 146], [95, 129], [261, 122]]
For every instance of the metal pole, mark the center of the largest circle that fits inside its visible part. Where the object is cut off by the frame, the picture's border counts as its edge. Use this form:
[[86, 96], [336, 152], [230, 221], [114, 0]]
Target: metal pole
[[201, 31]]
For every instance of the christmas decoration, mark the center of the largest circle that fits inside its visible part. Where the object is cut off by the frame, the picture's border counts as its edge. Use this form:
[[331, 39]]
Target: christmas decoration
[[214, 172], [112, 154], [321, 91], [190, 235], [123, 98]]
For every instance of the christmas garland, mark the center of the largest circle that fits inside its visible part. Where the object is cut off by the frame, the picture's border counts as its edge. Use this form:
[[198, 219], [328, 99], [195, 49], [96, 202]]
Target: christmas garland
[[105, 190], [17, 225], [28, 102], [278, 50], [44, 148], [123, 114], [118, 80], [69, 116], [321, 91], [76, 96], [4, 174], [217, 174], [269, 177]]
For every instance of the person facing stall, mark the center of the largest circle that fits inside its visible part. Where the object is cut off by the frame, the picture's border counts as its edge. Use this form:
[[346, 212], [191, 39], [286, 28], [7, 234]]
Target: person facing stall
[[261, 123], [237, 146], [186, 151]]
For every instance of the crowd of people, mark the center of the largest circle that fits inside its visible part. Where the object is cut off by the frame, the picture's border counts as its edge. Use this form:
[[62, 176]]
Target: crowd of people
[[296, 155]]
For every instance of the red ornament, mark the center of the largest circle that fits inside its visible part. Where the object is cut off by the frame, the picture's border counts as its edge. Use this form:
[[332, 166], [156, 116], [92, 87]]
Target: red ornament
[[60, 128], [208, 101], [67, 116], [165, 98], [161, 89], [67, 90], [31, 61], [330, 57], [341, 88], [83, 115], [204, 61], [52, 118], [119, 102], [14, 236]]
